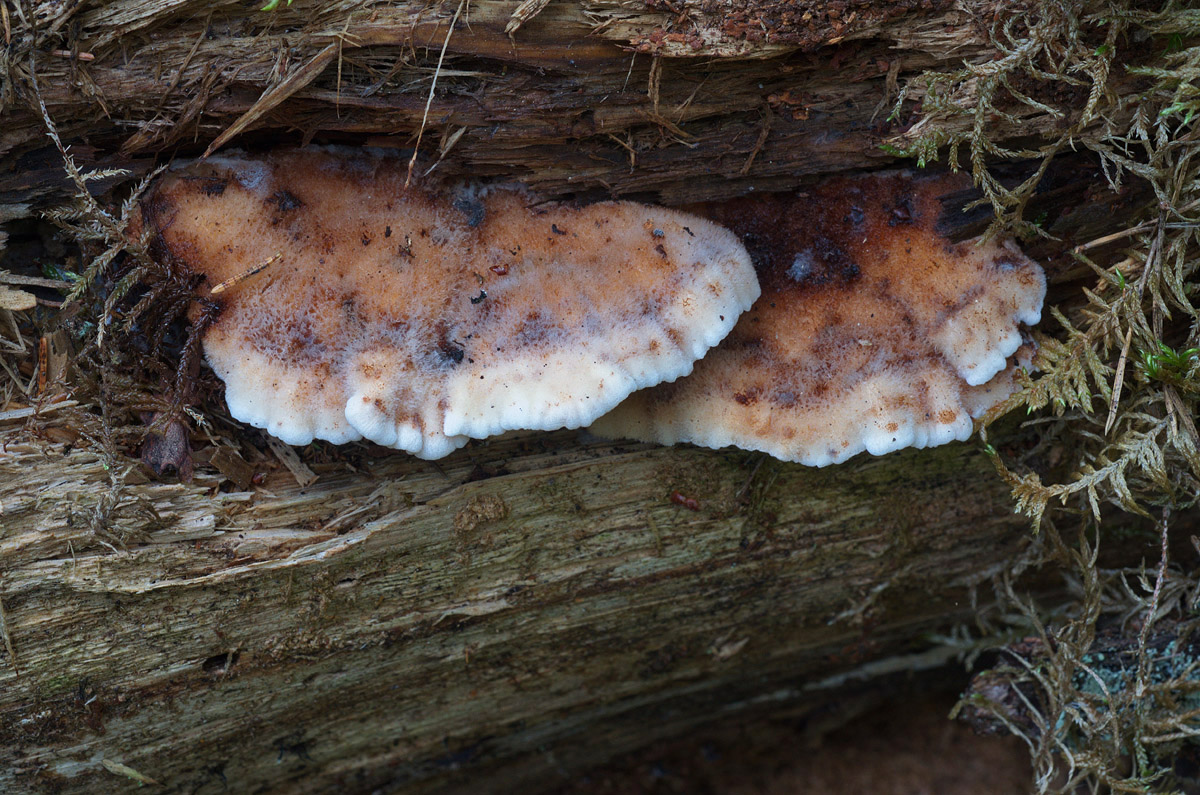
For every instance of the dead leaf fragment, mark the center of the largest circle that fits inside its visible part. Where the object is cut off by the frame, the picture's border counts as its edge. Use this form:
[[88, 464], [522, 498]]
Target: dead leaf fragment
[[124, 770], [168, 451], [16, 300]]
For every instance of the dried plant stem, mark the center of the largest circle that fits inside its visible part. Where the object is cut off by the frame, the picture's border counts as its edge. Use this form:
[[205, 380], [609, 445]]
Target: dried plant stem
[[1152, 608], [232, 280], [1118, 382], [432, 87]]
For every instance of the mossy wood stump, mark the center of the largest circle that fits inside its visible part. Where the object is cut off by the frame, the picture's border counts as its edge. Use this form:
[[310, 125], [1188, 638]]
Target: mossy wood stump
[[532, 604]]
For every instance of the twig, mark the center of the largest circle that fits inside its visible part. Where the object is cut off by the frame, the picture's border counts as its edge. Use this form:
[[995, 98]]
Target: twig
[[1100, 241], [74, 56], [1144, 635], [277, 94], [525, 12], [32, 411], [187, 61], [1133, 230], [34, 281], [337, 102], [232, 280], [683, 106], [629, 148], [1151, 255], [654, 81], [750, 479], [632, 61], [448, 142], [763, 134]]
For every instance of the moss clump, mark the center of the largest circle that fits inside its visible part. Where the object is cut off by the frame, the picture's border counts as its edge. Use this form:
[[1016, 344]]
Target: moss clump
[[1116, 397], [132, 365]]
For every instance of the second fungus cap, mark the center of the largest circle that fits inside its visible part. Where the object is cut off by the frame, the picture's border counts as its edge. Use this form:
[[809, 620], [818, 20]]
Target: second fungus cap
[[873, 331]]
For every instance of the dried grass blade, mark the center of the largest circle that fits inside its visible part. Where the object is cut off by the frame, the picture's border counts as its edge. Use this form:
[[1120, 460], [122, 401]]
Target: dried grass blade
[[273, 96], [433, 87]]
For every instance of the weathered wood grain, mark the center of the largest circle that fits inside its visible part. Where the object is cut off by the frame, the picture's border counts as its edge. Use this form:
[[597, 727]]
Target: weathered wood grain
[[533, 602], [589, 98]]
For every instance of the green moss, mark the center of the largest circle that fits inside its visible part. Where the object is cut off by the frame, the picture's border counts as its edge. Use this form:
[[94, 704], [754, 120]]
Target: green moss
[[1124, 392], [56, 687], [1119, 367]]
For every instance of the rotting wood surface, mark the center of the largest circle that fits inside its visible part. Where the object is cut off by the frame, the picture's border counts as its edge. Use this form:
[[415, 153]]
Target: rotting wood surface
[[528, 607], [421, 627], [512, 614], [583, 98]]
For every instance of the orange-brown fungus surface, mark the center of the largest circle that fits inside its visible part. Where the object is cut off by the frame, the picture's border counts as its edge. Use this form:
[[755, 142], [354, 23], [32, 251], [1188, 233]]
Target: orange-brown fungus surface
[[350, 306], [873, 332]]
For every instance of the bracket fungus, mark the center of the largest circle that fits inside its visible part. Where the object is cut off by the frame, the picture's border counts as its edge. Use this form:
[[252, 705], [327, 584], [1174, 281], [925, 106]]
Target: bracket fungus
[[349, 305], [873, 332]]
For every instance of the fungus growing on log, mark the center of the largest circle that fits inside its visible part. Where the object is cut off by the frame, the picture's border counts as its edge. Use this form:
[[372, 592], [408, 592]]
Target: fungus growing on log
[[350, 306], [873, 331]]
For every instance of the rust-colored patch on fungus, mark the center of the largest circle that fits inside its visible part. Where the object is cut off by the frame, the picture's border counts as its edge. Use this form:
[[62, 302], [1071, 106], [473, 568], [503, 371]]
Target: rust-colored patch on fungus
[[419, 317], [873, 332]]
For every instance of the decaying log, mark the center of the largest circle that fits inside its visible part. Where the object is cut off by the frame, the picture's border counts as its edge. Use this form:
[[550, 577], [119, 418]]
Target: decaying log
[[360, 620], [521, 610], [584, 98], [527, 606]]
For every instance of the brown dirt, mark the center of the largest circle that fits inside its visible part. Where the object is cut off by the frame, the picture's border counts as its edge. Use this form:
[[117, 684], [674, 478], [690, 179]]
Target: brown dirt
[[904, 747]]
